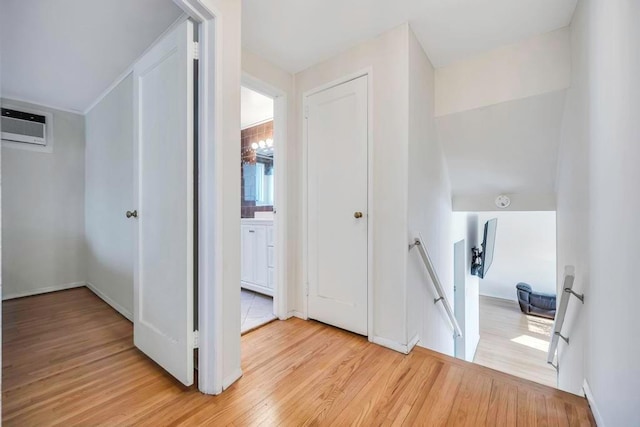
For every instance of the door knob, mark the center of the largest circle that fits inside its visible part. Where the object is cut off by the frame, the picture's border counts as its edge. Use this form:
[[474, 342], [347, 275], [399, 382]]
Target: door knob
[[357, 215], [132, 214]]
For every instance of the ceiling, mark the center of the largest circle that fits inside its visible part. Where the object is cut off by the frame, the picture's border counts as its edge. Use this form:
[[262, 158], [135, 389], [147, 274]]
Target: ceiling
[[510, 147], [296, 34], [65, 53], [254, 108]]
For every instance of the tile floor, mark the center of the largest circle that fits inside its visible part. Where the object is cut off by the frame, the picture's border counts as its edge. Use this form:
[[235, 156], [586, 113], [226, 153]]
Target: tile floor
[[255, 310]]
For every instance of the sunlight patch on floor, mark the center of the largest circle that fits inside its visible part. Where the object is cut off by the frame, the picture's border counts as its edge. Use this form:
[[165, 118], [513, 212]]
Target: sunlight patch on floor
[[539, 326], [532, 342]]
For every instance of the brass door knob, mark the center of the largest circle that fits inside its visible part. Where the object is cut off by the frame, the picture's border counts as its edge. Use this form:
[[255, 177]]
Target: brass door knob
[[357, 215], [132, 214]]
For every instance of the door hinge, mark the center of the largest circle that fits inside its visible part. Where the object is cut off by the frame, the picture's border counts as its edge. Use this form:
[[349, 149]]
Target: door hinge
[[307, 288], [195, 339], [196, 50], [306, 111]]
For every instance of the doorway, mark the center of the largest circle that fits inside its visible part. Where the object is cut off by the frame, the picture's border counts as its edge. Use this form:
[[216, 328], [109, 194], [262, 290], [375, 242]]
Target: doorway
[[259, 151], [337, 246], [507, 251]]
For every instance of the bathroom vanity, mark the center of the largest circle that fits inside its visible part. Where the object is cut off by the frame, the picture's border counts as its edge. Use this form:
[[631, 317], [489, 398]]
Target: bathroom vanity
[[258, 255]]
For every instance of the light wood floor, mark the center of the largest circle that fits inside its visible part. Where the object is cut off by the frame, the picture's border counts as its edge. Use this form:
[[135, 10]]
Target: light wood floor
[[513, 342], [69, 360]]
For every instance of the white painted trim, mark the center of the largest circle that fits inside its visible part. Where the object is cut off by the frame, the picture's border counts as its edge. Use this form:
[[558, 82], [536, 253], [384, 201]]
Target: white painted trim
[[259, 122], [298, 314], [40, 291], [305, 198], [413, 342], [259, 289], [344, 79], [117, 307], [370, 200], [211, 188], [129, 70], [393, 345], [232, 378], [592, 403], [10, 98], [280, 219]]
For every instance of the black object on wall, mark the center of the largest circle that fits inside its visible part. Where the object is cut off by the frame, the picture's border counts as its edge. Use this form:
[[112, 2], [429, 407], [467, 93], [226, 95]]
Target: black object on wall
[[483, 256]]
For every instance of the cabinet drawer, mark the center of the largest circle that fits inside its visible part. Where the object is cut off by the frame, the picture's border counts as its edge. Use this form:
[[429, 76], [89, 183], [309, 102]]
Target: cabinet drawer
[[271, 278]]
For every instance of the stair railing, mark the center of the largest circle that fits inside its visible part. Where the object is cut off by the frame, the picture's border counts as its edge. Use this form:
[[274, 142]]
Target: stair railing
[[442, 297], [556, 333]]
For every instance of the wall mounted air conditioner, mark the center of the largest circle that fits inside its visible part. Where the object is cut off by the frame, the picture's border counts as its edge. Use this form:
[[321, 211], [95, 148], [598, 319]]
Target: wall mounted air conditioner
[[21, 126]]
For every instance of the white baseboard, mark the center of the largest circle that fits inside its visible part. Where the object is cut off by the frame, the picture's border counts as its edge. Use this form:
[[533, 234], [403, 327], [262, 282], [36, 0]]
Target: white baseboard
[[288, 315], [117, 307], [31, 292], [393, 345], [592, 403], [232, 378], [295, 313], [413, 342]]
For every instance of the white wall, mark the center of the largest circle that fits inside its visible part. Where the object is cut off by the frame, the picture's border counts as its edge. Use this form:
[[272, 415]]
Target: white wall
[[531, 67], [428, 209], [602, 113], [525, 251], [226, 156], [108, 195], [43, 211], [499, 120], [507, 148], [387, 57], [613, 371], [573, 204]]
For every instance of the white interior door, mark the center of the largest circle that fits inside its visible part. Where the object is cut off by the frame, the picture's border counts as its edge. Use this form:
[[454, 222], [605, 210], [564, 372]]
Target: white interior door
[[164, 191], [337, 159]]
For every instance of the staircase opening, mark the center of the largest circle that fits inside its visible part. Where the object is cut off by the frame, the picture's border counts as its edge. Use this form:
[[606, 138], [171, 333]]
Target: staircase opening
[[505, 300]]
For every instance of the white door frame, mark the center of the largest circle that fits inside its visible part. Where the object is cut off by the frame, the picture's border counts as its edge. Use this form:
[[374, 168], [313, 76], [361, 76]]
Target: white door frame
[[280, 303], [213, 378], [305, 194]]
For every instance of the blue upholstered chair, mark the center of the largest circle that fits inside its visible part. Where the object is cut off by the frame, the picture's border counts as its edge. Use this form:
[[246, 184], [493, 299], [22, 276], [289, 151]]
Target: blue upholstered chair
[[536, 303]]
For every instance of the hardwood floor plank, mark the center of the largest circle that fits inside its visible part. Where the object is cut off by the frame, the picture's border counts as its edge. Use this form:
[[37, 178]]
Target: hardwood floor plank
[[437, 409], [435, 369], [70, 360], [470, 406]]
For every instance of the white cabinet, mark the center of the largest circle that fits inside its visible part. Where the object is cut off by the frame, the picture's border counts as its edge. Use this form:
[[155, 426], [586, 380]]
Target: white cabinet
[[258, 255]]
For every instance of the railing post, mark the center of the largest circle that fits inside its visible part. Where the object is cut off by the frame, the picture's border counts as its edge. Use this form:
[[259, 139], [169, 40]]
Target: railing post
[[572, 292]]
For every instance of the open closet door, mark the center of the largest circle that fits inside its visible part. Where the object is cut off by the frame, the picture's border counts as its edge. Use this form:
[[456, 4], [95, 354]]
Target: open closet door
[[164, 193]]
